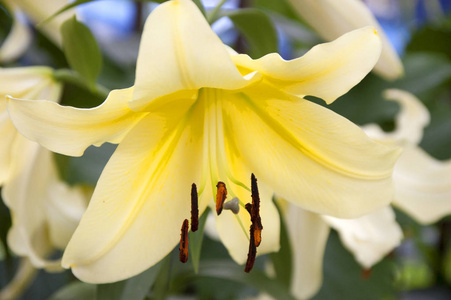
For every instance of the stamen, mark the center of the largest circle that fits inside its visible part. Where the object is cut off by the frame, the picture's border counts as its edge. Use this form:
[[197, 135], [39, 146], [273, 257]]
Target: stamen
[[255, 236], [183, 249], [255, 211], [221, 195], [233, 205], [252, 251], [194, 208], [248, 207]]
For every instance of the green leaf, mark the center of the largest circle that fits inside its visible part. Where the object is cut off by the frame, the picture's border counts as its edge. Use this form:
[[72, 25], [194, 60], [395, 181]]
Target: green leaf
[[76, 290], [434, 37], [282, 260], [195, 241], [437, 136], [280, 7], [257, 28], [424, 74], [81, 50], [256, 279], [134, 288]]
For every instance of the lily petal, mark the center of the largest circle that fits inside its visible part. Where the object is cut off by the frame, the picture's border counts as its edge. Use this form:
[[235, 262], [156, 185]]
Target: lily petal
[[70, 130], [308, 235], [18, 39], [39, 11], [137, 209], [331, 18], [422, 185], [8, 134], [187, 56], [412, 118], [64, 207], [369, 237], [327, 71], [25, 193], [29, 83], [294, 144]]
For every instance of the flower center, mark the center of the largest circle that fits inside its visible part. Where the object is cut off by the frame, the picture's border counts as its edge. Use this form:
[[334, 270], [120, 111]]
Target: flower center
[[216, 167], [219, 169]]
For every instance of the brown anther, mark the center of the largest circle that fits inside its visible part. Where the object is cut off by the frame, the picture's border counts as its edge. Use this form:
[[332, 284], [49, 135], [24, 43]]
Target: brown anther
[[221, 195], [194, 208], [183, 249], [248, 207], [255, 211], [366, 274], [252, 251], [255, 236]]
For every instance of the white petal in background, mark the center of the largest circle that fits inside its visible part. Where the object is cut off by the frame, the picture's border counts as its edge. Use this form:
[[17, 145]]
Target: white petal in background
[[411, 120], [18, 39], [29, 193], [332, 18], [370, 237], [308, 234], [422, 183], [31, 187], [41, 10]]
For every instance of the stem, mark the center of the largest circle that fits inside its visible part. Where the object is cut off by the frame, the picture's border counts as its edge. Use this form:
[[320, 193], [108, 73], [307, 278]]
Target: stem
[[24, 276], [240, 43], [69, 76], [213, 15]]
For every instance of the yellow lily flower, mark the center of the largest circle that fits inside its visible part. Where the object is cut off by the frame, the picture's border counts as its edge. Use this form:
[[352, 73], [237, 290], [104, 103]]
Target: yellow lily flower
[[199, 114], [332, 18], [45, 211], [19, 38]]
